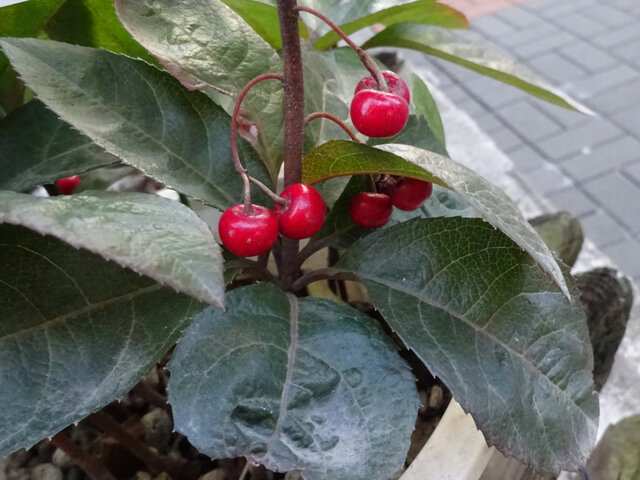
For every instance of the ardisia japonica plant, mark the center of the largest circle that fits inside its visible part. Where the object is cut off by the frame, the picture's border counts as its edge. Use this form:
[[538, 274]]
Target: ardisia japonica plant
[[210, 98]]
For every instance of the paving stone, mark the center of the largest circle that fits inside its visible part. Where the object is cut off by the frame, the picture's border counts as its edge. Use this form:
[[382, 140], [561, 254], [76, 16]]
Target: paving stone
[[491, 26], [601, 229], [506, 140], [600, 82], [526, 35], [608, 15], [630, 119], [547, 179], [471, 106], [633, 172], [528, 121], [628, 51], [617, 36], [489, 123], [526, 158], [588, 56], [618, 99], [540, 5], [574, 141], [605, 158], [582, 26], [556, 68], [560, 9], [518, 17], [626, 255], [566, 118], [573, 201], [543, 44], [455, 93], [619, 196]]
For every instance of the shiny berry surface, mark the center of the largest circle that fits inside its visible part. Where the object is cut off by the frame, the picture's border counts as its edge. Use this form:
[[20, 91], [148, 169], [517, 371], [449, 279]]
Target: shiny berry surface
[[248, 235], [379, 114], [371, 210], [396, 85], [410, 193], [68, 184], [304, 213]]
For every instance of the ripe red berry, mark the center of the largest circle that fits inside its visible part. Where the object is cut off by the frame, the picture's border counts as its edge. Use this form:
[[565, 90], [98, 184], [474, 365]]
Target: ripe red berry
[[67, 184], [371, 210], [304, 213], [410, 193], [396, 85], [248, 235], [379, 114]]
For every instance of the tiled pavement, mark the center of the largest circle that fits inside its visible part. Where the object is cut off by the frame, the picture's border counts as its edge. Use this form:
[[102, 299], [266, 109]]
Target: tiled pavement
[[587, 165]]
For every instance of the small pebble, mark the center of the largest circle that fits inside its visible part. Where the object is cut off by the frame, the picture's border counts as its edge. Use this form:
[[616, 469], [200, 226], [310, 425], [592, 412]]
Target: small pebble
[[163, 476], [157, 428], [61, 459], [17, 474], [217, 474], [73, 473], [46, 471], [143, 476], [435, 397], [293, 475]]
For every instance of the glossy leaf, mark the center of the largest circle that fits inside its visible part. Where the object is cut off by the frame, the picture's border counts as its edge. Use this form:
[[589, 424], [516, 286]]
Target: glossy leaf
[[448, 46], [20, 20], [138, 114], [339, 158], [76, 332], [36, 147], [263, 19], [486, 320], [208, 46], [424, 105], [422, 11], [294, 384], [93, 23], [151, 235]]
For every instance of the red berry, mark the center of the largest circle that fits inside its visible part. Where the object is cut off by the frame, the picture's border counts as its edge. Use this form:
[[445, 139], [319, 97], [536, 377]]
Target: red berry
[[248, 235], [67, 184], [379, 114], [410, 193], [371, 210], [304, 213], [396, 85]]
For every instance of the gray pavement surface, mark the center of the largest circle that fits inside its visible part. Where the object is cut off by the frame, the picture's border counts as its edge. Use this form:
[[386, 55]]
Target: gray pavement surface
[[589, 166]]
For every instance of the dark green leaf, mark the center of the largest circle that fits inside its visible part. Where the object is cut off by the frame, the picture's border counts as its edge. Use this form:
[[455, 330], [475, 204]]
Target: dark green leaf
[[423, 11], [348, 158], [36, 147], [208, 46], [151, 235], [76, 332], [263, 19], [444, 44], [294, 383], [424, 105], [484, 318], [139, 114], [93, 23], [20, 20]]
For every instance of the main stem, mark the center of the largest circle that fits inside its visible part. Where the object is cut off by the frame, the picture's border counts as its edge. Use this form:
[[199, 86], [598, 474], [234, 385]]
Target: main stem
[[293, 122]]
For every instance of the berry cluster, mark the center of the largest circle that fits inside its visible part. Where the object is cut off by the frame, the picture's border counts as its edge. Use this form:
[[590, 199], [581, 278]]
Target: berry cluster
[[373, 210], [254, 232]]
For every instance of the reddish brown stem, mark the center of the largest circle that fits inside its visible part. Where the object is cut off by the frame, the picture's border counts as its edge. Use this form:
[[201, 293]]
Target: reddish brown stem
[[88, 463], [328, 116], [248, 209], [365, 58], [293, 122], [276, 198]]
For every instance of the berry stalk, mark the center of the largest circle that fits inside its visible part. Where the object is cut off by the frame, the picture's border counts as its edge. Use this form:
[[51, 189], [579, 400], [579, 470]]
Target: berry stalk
[[334, 119]]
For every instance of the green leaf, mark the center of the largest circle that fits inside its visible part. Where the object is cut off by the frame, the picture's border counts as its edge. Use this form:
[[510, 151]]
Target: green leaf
[[424, 105], [93, 23], [263, 19], [444, 44], [423, 11], [151, 235], [76, 332], [294, 384], [36, 147], [339, 158], [138, 114], [616, 456], [21, 20], [208, 46], [484, 318]]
